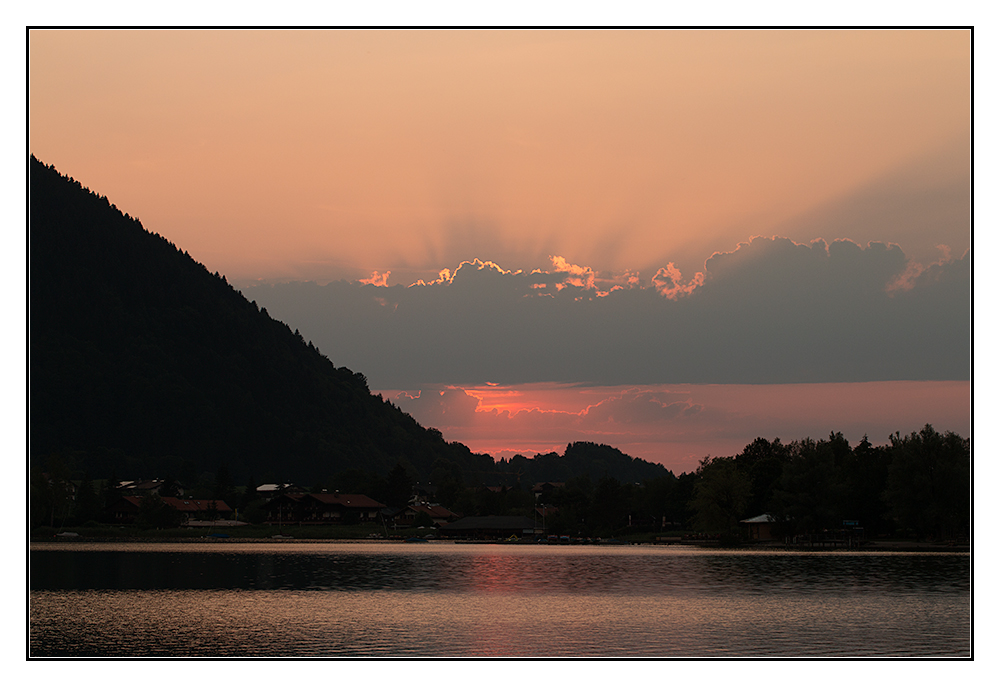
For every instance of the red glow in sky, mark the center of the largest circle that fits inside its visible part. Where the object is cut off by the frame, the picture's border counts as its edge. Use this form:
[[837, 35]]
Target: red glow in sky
[[677, 425], [615, 158]]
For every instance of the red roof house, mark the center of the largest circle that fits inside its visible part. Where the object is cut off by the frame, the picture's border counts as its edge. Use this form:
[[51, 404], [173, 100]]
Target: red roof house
[[124, 510], [316, 509], [439, 514]]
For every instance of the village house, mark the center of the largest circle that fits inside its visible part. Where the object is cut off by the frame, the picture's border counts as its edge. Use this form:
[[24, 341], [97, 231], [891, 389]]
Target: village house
[[125, 509], [160, 487], [321, 508], [66, 486], [269, 491], [759, 528], [438, 514], [423, 492]]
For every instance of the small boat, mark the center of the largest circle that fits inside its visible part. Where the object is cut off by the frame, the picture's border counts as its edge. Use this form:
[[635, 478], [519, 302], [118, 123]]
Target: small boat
[[416, 540]]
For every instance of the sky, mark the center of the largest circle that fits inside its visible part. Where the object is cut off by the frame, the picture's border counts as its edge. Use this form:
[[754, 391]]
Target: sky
[[669, 241]]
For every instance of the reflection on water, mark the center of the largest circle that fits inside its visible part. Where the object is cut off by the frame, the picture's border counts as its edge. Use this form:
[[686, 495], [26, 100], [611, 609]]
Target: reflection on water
[[300, 599]]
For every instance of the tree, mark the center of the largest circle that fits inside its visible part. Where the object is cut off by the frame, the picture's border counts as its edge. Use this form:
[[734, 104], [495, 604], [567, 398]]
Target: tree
[[109, 489], [88, 503], [423, 519], [928, 486], [864, 474], [50, 492], [806, 497], [170, 487], [254, 512], [720, 495], [657, 497], [575, 502], [762, 461], [399, 486], [446, 475], [39, 498], [249, 494], [223, 483], [610, 507]]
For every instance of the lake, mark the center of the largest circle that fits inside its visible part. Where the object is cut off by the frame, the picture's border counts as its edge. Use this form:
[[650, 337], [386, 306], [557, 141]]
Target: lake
[[443, 599]]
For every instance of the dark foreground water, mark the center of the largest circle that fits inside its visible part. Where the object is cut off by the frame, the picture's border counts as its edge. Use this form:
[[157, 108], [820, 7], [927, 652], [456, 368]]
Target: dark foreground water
[[446, 599]]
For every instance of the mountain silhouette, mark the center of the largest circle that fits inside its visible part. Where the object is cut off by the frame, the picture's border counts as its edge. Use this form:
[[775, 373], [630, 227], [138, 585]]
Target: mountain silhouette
[[143, 363], [140, 358]]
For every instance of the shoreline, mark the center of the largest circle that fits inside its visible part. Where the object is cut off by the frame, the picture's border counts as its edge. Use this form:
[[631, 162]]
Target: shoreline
[[881, 546]]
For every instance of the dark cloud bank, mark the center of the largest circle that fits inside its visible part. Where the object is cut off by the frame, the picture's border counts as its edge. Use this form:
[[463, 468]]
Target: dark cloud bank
[[772, 311]]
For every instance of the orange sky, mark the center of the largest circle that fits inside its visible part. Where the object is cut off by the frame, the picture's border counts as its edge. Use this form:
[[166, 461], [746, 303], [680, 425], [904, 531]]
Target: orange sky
[[331, 154], [325, 155]]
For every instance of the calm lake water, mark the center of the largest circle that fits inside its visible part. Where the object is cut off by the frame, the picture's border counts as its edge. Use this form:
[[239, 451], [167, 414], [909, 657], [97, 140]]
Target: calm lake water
[[446, 599]]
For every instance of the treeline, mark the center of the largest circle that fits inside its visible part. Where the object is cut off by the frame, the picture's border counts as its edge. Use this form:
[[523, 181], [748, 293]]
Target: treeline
[[460, 479], [582, 458], [916, 485]]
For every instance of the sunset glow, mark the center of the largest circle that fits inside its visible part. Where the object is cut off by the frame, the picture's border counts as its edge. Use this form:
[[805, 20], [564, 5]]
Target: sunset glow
[[329, 154], [671, 242], [677, 425]]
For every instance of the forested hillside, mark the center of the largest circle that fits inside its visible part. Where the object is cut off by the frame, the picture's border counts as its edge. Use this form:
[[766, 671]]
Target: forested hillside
[[582, 458], [143, 362]]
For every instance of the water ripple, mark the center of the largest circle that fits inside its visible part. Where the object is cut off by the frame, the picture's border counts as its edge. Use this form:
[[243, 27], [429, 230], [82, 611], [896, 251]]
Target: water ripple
[[384, 600]]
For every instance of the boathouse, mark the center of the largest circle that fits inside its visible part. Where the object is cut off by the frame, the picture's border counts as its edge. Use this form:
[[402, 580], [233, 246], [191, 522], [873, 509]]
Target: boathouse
[[759, 528]]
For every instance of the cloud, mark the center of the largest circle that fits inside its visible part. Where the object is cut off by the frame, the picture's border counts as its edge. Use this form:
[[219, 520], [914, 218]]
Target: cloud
[[455, 407], [922, 202], [377, 279], [544, 420], [440, 408], [574, 275], [678, 424], [639, 407], [770, 311], [668, 282]]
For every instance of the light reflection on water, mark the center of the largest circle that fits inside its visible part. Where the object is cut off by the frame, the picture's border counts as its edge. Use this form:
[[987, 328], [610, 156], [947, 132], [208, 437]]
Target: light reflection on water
[[305, 599]]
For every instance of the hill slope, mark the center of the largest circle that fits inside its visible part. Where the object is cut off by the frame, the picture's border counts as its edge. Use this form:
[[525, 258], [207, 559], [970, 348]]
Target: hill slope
[[142, 363], [136, 350], [583, 458]]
